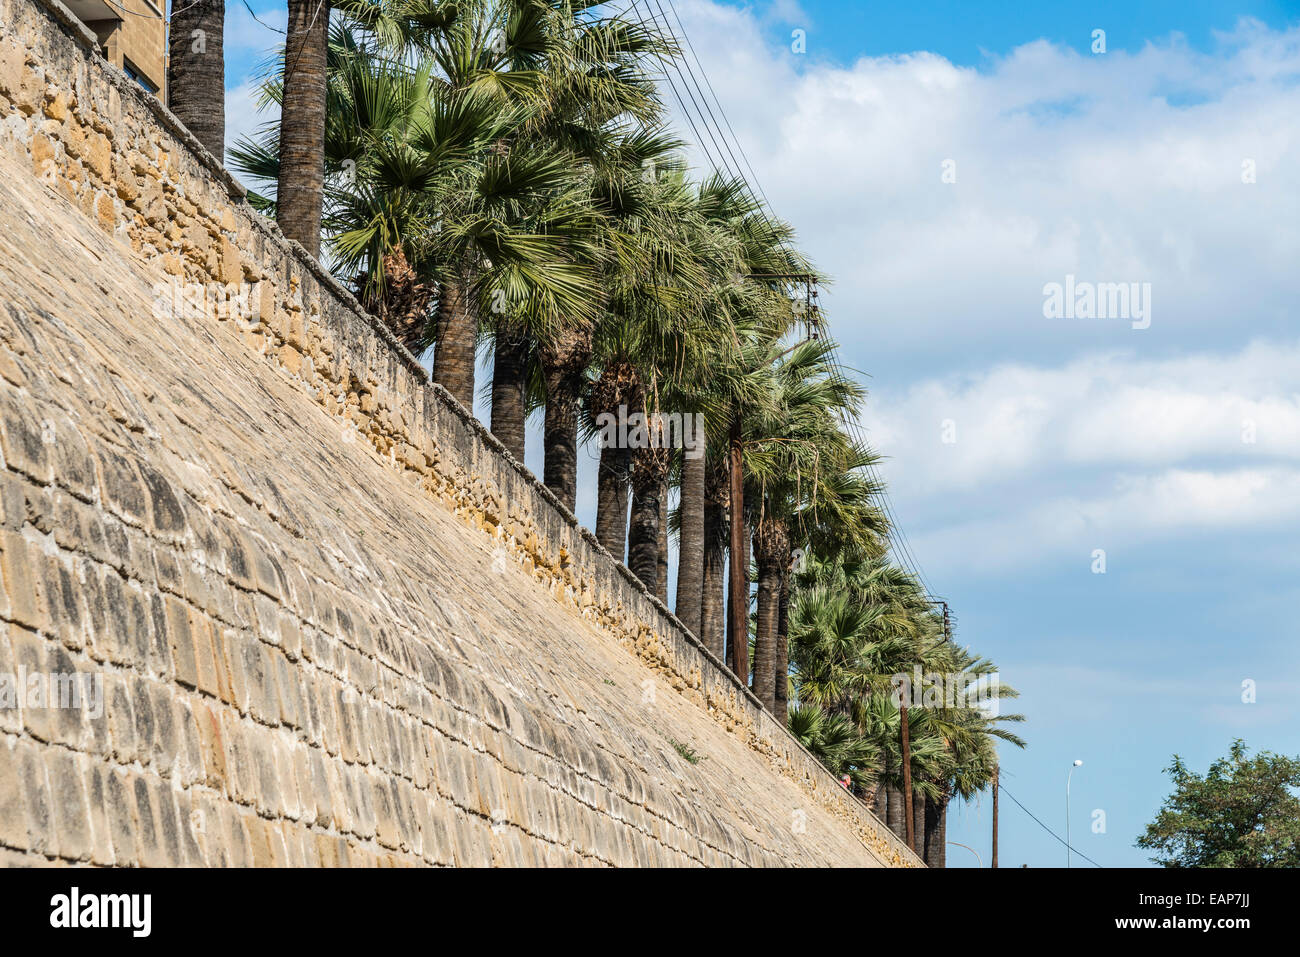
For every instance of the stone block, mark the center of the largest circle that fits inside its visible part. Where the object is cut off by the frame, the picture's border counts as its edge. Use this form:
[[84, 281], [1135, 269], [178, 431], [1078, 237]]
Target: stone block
[[27, 439], [184, 666], [71, 813], [121, 487], [20, 563], [123, 817], [37, 802]]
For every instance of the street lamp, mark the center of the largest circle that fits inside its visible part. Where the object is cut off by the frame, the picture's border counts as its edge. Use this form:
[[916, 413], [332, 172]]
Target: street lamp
[[1077, 762], [978, 859]]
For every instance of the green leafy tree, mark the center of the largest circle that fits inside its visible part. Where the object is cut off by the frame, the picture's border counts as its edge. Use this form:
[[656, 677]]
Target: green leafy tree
[[1243, 813]]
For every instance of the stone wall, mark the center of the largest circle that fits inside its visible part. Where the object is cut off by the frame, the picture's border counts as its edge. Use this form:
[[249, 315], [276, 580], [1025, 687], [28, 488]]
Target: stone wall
[[334, 621]]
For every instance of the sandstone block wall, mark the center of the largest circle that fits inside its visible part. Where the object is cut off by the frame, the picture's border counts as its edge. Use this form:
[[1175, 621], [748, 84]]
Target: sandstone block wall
[[334, 622]]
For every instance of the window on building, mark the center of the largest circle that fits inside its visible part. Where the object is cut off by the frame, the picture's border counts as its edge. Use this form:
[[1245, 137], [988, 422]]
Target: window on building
[[134, 73]]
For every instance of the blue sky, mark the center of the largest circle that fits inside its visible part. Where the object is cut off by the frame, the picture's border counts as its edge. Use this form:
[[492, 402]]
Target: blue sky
[[964, 32], [1174, 448]]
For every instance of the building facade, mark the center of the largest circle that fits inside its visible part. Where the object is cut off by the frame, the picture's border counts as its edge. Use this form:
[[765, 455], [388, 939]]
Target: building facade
[[132, 36]]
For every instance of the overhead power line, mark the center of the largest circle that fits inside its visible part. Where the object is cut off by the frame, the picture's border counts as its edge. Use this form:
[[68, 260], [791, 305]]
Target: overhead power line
[[263, 22], [1003, 789], [899, 543], [664, 64]]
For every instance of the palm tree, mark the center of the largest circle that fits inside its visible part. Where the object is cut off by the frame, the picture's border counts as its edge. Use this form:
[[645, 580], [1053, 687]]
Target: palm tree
[[513, 358], [781, 691], [805, 474], [969, 735], [713, 593], [690, 539], [834, 740], [758, 314], [196, 71], [564, 360], [602, 105], [857, 621], [421, 195], [655, 337], [300, 189], [574, 75], [615, 386], [650, 465]]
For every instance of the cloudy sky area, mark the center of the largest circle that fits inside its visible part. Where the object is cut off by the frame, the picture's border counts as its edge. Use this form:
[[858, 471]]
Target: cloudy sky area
[[1018, 445]]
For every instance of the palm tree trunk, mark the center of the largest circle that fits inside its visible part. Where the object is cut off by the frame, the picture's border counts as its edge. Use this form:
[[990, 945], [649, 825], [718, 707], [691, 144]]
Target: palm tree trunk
[[918, 819], [560, 438], [690, 542], [457, 331], [509, 376], [617, 386], [894, 816], [880, 802], [713, 585], [401, 300], [936, 833], [564, 364], [611, 499], [196, 72], [771, 549], [661, 569], [738, 592], [300, 190], [643, 530], [781, 691]]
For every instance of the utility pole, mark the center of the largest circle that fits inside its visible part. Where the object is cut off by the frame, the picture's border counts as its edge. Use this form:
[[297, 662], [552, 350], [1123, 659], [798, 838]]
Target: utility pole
[[810, 311], [995, 815]]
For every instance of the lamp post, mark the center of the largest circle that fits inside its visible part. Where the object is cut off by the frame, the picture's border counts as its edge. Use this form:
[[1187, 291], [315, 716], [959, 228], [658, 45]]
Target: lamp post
[[978, 859], [1077, 762]]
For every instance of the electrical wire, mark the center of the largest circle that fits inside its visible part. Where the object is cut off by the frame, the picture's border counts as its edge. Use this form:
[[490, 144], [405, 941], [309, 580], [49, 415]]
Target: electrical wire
[[1003, 789], [663, 67], [150, 16], [263, 22], [899, 543]]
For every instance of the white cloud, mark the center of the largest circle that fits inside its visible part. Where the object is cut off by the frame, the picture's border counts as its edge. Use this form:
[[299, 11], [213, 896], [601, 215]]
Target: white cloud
[[1125, 167], [1066, 163], [1108, 450], [1101, 410], [1137, 510]]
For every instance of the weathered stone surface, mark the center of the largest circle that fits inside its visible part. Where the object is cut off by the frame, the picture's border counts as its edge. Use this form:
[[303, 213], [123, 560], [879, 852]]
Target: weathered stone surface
[[335, 623]]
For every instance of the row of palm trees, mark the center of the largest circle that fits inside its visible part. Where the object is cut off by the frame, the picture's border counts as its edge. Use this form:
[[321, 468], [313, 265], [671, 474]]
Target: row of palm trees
[[857, 626], [497, 177]]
